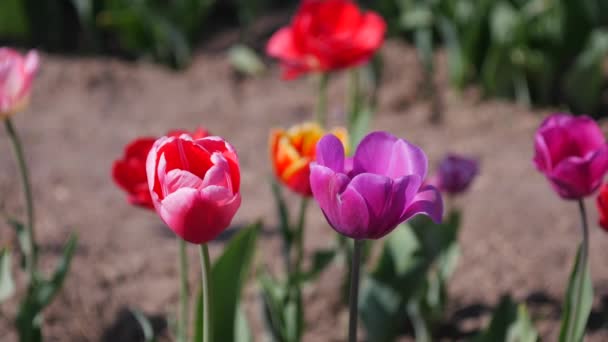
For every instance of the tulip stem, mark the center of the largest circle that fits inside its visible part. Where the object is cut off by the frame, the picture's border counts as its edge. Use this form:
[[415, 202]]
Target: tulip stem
[[300, 236], [353, 98], [354, 292], [206, 285], [321, 113], [31, 253], [182, 323]]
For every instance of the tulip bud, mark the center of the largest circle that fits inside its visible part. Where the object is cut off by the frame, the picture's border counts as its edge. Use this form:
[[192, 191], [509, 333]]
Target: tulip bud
[[16, 75]]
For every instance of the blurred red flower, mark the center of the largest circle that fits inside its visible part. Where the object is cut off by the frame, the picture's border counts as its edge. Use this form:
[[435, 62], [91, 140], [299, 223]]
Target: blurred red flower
[[326, 35], [129, 172], [602, 206]]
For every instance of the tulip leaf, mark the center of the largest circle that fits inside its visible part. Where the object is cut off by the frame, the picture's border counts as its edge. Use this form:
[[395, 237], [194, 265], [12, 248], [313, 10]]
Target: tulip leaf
[[578, 301], [274, 295], [245, 60], [242, 330], [320, 260], [144, 324], [510, 323], [7, 285], [228, 275], [381, 309], [40, 294], [22, 238]]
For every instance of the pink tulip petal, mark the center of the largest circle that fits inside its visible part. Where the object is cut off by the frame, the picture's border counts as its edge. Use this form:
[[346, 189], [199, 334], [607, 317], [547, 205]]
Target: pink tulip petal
[[176, 179], [428, 202], [330, 153]]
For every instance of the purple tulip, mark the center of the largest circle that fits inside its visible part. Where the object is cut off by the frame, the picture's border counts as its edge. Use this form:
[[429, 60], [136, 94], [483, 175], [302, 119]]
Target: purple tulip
[[455, 174], [572, 153], [368, 196]]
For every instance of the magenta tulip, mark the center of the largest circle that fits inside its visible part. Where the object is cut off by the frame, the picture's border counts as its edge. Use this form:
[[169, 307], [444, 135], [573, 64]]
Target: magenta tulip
[[572, 153], [16, 75], [194, 185], [381, 187]]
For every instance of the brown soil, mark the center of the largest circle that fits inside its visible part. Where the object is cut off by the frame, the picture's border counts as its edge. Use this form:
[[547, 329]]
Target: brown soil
[[517, 238]]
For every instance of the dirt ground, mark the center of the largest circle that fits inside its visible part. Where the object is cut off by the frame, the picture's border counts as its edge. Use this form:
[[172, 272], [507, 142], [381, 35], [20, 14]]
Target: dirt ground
[[517, 238]]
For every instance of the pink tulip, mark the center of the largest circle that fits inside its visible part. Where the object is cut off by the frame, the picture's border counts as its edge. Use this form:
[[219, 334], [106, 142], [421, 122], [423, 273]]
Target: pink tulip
[[572, 153], [194, 185], [16, 75]]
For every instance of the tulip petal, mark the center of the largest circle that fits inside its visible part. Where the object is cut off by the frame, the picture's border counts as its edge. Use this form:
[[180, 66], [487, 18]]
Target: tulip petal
[[382, 153], [370, 35], [330, 153], [376, 190], [427, 201], [176, 179], [195, 218], [353, 218], [577, 177]]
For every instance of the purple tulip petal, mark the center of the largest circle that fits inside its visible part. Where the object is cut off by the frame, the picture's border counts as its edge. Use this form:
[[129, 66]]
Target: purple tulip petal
[[427, 201], [326, 185], [373, 153], [382, 153], [599, 166], [353, 217], [330, 153], [407, 159], [376, 190]]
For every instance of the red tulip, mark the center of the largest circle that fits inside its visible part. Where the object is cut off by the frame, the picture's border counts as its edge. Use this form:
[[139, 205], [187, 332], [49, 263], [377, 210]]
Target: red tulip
[[129, 172], [194, 184], [602, 206], [326, 35]]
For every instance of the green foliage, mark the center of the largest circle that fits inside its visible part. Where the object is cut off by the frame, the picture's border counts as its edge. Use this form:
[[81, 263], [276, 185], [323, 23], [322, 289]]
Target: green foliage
[[229, 273], [536, 51], [510, 323], [410, 279], [578, 301], [40, 294], [7, 285]]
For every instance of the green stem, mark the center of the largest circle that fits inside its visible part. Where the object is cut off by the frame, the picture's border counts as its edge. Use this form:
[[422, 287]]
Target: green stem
[[31, 254], [354, 90], [300, 235], [582, 266], [321, 113], [206, 285], [182, 323], [354, 292]]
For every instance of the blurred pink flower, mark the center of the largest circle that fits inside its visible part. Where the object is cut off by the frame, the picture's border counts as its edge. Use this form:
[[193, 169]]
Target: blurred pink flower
[[16, 75]]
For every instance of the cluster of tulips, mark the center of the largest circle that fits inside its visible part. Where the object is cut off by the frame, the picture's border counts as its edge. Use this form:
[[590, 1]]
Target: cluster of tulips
[[191, 179]]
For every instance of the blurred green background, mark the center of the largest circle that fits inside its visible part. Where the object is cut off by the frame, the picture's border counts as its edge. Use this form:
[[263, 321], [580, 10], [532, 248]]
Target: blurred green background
[[537, 52]]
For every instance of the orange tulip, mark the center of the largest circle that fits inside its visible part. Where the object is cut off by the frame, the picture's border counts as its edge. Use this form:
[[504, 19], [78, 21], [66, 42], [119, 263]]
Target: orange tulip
[[292, 151]]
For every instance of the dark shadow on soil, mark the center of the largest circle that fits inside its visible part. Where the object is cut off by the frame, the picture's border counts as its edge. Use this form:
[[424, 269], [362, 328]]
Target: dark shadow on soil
[[126, 328]]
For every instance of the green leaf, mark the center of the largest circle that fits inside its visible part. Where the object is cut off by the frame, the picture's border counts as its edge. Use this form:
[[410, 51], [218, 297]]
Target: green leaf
[[584, 80], [523, 330], [510, 323], [242, 329], [228, 275], [22, 238], [283, 213], [320, 260], [381, 309], [7, 285], [504, 23], [144, 324], [49, 288], [245, 60], [578, 301], [40, 294], [274, 295]]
